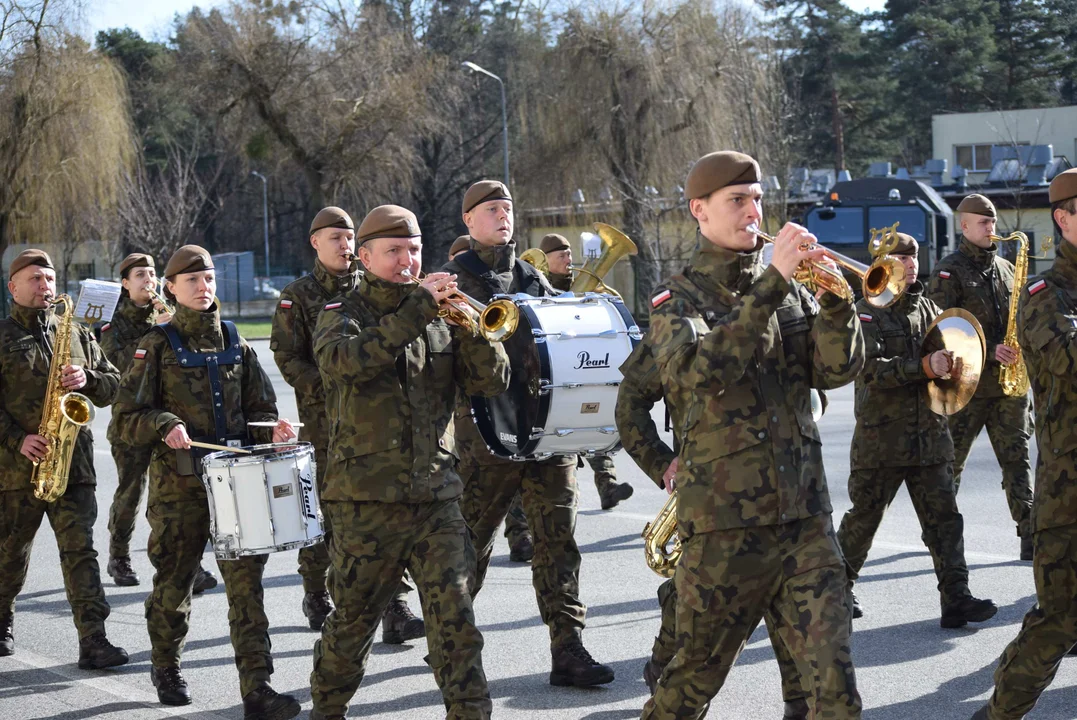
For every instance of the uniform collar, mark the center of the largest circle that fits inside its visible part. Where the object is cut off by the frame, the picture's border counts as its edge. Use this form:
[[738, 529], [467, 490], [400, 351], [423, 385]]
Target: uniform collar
[[133, 313], [332, 283], [499, 258], [32, 319], [911, 296], [734, 270], [383, 295], [561, 282], [980, 257], [1066, 260], [200, 330]]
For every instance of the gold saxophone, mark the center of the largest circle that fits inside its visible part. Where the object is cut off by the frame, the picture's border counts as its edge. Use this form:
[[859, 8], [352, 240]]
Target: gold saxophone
[[661, 556], [1014, 378], [62, 415]]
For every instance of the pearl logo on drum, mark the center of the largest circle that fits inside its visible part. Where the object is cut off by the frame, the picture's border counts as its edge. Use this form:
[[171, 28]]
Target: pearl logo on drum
[[586, 363]]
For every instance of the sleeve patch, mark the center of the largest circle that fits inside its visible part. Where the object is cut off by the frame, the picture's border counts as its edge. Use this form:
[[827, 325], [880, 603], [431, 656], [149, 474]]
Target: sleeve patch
[[944, 275], [864, 317], [105, 327], [286, 304], [140, 353], [661, 298], [1036, 287], [333, 305]]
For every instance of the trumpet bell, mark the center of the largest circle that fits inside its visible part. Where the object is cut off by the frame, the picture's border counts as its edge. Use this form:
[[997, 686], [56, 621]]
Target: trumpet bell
[[958, 331], [499, 320], [884, 282]]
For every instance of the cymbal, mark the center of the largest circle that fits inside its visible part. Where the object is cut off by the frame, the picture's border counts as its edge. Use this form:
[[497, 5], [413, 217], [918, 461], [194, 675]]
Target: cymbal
[[959, 331]]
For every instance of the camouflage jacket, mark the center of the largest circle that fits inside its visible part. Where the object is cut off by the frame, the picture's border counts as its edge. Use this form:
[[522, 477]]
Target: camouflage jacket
[[391, 369], [640, 390], [159, 393], [894, 425], [26, 341], [472, 447], [120, 337], [292, 343], [1047, 331], [560, 282], [739, 348], [981, 282]]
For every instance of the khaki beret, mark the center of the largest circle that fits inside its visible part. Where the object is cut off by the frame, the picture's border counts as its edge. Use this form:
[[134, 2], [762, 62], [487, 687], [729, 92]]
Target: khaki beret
[[718, 170], [485, 191], [390, 221], [460, 244], [332, 217], [135, 260], [27, 258], [188, 259], [553, 242], [977, 205], [1064, 186], [907, 245]]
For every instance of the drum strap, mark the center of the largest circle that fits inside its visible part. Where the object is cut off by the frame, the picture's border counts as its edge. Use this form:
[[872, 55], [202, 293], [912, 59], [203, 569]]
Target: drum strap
[[523, 273]]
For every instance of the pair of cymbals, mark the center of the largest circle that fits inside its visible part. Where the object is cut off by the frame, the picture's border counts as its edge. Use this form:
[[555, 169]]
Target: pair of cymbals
[[959, 332]]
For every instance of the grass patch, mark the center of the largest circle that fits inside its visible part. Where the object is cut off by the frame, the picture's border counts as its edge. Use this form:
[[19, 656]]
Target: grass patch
[[253, 329]]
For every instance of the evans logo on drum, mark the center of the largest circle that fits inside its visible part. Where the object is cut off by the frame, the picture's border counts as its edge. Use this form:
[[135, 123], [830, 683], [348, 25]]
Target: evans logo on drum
[[506, 437], [586, 363]]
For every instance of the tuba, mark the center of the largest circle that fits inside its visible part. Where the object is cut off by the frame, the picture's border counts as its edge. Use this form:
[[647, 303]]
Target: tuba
[[62, 415], [615, 245], [658, 535], [1014, 378]]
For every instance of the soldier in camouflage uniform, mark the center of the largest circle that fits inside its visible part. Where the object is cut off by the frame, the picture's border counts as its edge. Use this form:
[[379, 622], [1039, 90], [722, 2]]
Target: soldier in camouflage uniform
[[332, 235], [899, 439], [737, 349], [134, 316], [391, 370], [977, 279], [640, 390], [26, 344], [1047, 332], [548, 487], [194, 378]]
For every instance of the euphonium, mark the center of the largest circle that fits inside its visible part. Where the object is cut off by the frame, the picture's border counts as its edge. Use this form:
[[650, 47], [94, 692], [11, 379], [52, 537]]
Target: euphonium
[[537, 259], [1014, 378], [883, 280], [615, 245], [657, 536], [62, 415]]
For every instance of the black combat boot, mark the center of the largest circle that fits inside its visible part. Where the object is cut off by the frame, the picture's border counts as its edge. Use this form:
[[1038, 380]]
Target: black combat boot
[[399, 624], [265, 703], [317, 606], [523, 550], [796, 709], [574, 666], [614, 493], [7, 636], [858, 612], [171, 687], [1026, 548], [97, 653], [119, 568], [203, 580], [966, 610]]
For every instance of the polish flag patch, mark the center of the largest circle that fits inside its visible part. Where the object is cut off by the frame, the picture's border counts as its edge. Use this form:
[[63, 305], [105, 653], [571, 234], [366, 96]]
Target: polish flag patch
[[286, 304], [1036, 287], [333, 306], [864, 317], [944, 275], [105, 327], [139, 354], [661, 298]]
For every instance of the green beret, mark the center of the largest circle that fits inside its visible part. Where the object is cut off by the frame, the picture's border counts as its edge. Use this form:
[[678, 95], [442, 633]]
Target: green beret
[[485, 191], [718, 170], [331, 217], [977, 205], [135, 260], [1064, 186], [188, 259], [460, 244], [390, 221], [907, 245], [27, 258], [553, 242]]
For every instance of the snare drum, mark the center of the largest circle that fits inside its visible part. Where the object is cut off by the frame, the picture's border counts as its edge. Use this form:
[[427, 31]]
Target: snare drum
[[264, 502], [566, 357]]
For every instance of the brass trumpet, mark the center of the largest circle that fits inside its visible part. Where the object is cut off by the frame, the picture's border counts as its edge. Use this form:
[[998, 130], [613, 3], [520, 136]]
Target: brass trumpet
[[495, 321], [158, 297], [883, 280]]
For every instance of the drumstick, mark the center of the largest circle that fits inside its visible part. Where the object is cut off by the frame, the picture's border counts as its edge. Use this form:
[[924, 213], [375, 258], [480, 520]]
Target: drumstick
[[211, 446], [269, 423]]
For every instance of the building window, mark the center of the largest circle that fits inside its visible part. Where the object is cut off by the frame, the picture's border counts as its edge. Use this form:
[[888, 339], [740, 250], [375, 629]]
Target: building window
[[976, 158], [82, 271]]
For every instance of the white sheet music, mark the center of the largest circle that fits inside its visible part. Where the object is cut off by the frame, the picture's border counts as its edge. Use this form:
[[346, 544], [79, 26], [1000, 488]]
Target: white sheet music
[[97, 301]]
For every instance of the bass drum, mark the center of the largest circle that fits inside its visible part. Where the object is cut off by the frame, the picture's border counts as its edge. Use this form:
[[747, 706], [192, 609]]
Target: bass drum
[[566, 356]]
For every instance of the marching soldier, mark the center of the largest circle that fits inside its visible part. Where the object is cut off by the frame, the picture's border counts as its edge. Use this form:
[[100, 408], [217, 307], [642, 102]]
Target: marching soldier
[[1047, 330], [391, 370], [135, 315], [738, 347], [640, 390], [899, 439], [27, 338], [977, 279], [332, 235], [195, 379], [548, 488]]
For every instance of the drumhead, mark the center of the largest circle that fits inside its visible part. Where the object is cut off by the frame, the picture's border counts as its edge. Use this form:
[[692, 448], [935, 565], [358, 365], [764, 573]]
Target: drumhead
[[278, 451]]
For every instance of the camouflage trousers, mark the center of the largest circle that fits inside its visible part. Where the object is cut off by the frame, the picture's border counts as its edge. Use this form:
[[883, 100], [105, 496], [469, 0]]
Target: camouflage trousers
[[1029, 663], [665, 644], [178, 535], [372, 544], [516, 520], [132, 465], [549, 496], [1009, 427], [726, 581], [72, 519], [931, 488]]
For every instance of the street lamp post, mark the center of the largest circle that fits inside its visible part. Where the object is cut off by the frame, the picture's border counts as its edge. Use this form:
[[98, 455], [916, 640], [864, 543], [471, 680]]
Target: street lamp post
[[504, 112], [265, 218]]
